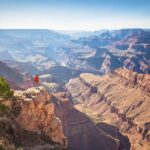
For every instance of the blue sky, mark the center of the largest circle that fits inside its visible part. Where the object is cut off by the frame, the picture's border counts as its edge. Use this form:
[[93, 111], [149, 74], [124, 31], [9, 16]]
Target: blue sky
[[75, 14]]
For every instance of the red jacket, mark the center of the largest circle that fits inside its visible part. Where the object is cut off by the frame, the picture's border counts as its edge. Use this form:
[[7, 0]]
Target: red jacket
[[36, 79]]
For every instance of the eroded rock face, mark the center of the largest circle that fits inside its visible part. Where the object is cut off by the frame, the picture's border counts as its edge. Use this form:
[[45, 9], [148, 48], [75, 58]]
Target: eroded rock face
[[30, 122], [121, 98], [54, 117], [37, 114], [81, 132], [130, 78]]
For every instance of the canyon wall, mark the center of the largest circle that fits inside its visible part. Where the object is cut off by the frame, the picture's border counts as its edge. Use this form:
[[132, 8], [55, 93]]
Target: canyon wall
[[121, 98], [41, 120], [82, 133]]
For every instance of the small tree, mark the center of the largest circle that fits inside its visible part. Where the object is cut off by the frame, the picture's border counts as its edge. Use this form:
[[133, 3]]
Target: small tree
[[5, 91]]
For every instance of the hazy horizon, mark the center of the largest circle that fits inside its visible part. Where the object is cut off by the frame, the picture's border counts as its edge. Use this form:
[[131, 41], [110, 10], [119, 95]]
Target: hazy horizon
[[74, 15]]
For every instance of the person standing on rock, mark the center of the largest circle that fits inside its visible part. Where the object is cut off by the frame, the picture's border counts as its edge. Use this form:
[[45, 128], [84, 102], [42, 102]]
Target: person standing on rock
[[36, 80]]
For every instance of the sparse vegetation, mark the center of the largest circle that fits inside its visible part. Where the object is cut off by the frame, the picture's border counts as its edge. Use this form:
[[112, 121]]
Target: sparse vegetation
[[3, 109], [5, 91]]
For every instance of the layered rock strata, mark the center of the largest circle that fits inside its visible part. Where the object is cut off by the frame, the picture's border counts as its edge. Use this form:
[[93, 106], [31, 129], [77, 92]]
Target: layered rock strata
[[121, 98]]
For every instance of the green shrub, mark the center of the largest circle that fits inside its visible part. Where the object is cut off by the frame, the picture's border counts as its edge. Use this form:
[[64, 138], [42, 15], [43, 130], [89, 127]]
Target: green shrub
[[3, 109], [5, 91], [2, 147]]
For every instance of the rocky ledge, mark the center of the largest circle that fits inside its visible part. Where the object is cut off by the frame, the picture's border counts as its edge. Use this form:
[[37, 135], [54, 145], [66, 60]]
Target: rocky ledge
[[32, 122]]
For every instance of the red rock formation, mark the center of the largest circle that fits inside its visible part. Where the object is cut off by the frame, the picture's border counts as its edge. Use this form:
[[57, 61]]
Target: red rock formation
[[121, 97], [130, 78], [81, 132], [50, 116], [31, 122], [38, 115]]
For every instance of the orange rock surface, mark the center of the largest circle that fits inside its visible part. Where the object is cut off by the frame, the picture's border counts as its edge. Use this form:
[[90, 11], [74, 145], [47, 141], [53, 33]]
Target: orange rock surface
[[121, 98]]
